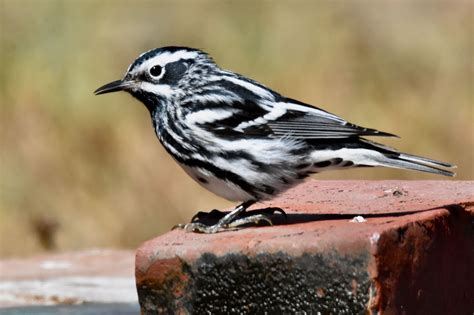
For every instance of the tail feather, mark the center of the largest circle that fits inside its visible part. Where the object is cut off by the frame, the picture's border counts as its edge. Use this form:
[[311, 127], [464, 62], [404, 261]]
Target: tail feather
[[418, 159], [364, 152], [412, 163], [396, 159]]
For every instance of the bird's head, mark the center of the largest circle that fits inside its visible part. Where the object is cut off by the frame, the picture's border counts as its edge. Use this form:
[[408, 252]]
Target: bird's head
[[162, 73]]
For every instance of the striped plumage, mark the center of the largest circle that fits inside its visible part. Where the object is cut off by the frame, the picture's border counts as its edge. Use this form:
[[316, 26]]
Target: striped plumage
[[240, 139]]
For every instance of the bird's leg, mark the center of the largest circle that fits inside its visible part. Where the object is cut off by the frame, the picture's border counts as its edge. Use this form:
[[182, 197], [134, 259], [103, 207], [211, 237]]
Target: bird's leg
[[228, 222]]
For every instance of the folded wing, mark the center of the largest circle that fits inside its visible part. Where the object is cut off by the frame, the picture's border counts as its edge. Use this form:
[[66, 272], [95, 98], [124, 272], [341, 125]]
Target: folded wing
[[288, 118]]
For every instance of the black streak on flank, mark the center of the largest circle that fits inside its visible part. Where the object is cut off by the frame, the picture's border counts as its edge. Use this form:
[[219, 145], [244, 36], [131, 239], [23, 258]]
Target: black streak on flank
[[302, 175], [268, 190], [202, 180], [337, 161], [322, 164], [220, 173], [303, 165], [348, 164]]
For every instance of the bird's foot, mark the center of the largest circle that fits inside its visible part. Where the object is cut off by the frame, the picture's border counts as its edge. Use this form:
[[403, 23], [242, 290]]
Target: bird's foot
[[222, 225], [215, 215], [204, 222]]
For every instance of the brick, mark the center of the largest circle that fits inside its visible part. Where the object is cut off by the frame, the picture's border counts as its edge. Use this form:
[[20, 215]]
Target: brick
[[412, 254]]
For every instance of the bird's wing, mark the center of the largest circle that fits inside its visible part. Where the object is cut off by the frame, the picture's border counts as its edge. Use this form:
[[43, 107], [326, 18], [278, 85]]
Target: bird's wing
[[299, 120], [286, 118]]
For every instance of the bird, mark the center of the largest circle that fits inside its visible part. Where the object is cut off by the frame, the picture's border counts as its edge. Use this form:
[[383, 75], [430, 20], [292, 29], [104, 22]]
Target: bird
[[242, 140]]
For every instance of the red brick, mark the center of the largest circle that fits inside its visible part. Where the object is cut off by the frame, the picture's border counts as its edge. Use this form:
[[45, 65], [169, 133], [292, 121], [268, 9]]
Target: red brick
[[413, 255]]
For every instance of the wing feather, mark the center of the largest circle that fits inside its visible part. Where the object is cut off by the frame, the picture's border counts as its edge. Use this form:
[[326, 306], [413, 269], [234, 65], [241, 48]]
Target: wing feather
[[282, 117]]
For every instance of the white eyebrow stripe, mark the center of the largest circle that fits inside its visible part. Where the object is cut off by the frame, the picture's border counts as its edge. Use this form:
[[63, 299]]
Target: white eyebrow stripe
[[141, 55], [165, 58]]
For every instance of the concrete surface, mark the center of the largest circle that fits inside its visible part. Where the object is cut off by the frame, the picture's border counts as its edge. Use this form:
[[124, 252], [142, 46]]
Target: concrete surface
[[94, 276]]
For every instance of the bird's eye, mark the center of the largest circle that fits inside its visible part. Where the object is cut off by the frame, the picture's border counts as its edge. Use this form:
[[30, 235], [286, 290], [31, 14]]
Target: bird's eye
[[155, 71]]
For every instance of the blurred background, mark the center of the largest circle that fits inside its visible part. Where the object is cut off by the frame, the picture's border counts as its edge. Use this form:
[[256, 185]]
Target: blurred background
[[80, 171]]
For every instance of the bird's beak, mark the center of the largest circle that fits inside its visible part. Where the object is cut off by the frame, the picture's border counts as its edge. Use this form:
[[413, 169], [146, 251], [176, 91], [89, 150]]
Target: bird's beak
[[114, 86]]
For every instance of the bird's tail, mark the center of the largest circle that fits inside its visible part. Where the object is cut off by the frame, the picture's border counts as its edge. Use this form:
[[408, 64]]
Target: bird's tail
[[418, 163], [392, 158]]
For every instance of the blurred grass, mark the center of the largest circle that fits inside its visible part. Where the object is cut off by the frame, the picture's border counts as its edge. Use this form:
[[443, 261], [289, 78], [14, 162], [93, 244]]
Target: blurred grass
[[89, 171]]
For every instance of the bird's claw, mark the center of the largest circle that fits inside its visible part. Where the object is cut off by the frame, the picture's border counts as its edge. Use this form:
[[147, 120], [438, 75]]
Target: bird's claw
[[222, 225], [218, 221], [216, 214]]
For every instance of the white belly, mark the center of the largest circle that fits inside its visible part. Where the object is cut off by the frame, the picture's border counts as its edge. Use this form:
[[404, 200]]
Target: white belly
[[222, 188]]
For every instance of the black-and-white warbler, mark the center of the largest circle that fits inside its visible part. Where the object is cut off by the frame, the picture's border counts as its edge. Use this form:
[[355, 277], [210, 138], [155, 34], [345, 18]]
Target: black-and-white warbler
[[241, 140]]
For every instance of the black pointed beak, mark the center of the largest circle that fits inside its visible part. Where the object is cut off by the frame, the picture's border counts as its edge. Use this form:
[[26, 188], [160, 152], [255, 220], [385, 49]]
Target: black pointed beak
[[114, 86]]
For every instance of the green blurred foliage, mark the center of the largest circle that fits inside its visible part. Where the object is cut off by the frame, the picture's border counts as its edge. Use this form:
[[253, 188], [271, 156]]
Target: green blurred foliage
[[82, 171]]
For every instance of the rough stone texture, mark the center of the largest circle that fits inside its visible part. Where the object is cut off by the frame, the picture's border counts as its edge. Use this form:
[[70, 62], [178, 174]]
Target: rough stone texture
[[94, 276], [412, 255]]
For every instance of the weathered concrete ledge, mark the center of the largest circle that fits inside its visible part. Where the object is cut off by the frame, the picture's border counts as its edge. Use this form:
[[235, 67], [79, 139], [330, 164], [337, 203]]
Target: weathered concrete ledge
[[410, 252], [92, 276]]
